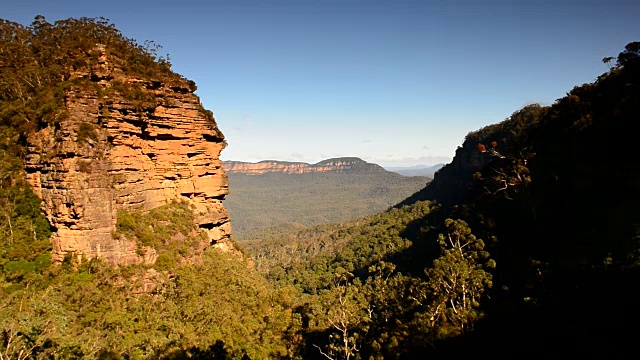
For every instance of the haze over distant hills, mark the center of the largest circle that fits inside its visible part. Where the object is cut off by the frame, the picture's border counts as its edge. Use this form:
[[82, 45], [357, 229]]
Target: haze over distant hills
[[275, 196], [417, 170]]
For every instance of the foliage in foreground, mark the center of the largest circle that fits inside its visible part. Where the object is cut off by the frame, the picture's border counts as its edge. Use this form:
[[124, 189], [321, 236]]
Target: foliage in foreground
[[95, 308]]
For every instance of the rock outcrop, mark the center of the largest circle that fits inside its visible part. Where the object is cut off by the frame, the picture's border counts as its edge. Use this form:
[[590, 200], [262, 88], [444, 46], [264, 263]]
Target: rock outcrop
[[452, 182], [128, 143], [346, 164]]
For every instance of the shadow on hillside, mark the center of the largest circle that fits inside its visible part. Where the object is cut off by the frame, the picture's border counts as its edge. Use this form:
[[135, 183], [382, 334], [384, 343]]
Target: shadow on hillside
[[595, 318], [574, 311]]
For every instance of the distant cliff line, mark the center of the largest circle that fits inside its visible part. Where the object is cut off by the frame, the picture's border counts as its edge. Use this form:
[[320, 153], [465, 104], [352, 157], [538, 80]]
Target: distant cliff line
[[344, 164]]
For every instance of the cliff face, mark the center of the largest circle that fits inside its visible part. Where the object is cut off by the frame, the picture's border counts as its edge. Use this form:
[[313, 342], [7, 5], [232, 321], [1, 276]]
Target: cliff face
[[452, 182], [116, 151], [329, 165]]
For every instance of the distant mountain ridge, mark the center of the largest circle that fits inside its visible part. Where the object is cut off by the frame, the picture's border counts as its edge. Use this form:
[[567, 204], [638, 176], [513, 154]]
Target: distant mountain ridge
[[342, 164], [274, 196]]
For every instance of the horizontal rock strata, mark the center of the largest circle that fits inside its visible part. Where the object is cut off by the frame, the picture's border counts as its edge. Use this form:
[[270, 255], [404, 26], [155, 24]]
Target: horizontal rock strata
[[114, 153]]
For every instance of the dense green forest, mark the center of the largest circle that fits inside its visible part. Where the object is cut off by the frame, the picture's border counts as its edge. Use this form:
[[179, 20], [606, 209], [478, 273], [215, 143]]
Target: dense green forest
[[535, 253], [274, 203]]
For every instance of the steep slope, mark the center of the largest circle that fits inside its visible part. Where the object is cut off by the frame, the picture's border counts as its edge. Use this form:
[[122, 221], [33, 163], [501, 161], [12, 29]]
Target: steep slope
[[453, 182], [565, 234]]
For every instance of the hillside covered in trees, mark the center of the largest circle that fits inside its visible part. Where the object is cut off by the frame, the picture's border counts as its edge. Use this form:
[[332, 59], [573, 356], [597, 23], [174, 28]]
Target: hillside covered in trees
[[277, 202], [520, 247]]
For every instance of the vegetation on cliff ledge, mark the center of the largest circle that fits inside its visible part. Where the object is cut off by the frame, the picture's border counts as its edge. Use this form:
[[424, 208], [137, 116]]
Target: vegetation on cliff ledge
[[169, 230]]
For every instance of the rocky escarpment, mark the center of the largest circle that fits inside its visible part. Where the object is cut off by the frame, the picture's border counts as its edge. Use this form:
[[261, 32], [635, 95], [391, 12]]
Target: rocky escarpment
[[452, 182], [128, 143], [346, 164]]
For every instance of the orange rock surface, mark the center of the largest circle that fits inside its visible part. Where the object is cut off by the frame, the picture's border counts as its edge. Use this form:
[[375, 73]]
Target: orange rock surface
[[135, 156]]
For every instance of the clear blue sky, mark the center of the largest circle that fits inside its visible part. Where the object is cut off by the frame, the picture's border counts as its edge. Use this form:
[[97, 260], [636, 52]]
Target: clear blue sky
[[393, 82]]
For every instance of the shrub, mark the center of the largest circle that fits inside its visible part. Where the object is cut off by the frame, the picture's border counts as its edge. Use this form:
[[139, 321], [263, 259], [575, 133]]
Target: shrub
[[17, 270], [165, 262], [87, 131], [42, 263]]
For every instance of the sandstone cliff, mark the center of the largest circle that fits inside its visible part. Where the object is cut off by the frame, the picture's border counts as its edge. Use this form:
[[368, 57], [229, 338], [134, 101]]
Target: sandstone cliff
[[345, 164], [128, 143]]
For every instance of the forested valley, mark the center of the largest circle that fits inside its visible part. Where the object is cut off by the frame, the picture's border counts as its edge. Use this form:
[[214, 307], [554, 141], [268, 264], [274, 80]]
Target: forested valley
[[272, 204], [533, 249]]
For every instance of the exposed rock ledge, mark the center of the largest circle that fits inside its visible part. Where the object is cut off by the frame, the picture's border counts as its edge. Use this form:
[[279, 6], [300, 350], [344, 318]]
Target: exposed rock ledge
[[111, 154]]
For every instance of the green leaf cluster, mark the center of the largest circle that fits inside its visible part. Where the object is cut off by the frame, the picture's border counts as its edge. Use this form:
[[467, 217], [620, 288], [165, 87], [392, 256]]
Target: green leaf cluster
[[217, 306]]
